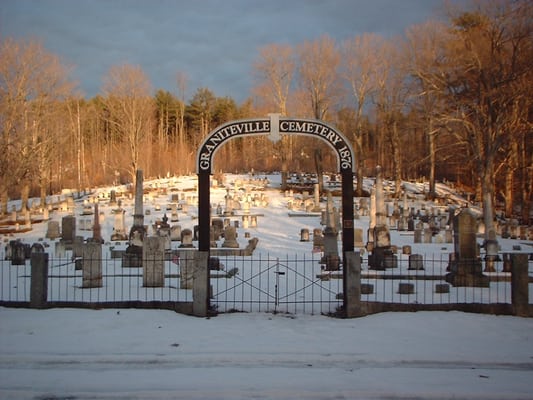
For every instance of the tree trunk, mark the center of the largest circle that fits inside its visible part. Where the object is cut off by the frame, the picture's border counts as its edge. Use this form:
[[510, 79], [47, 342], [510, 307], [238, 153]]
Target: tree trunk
[[396, 159], [4, 198], [432, 151], [24, 196], [360, 164], [487, 189]]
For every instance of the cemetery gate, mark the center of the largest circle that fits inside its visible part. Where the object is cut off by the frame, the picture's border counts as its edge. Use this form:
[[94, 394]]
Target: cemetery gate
[[274, 126]]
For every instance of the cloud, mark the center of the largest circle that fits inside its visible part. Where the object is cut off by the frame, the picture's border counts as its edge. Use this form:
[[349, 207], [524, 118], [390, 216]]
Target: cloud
[[213, 41]]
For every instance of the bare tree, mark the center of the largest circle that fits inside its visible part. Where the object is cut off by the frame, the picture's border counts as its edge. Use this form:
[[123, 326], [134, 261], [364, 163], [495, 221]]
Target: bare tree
[[487, 84], [391, 99], [275, 68], [319, 78], [128, 100], [424, 55], [319, 62], [33, 82], [359, 59]]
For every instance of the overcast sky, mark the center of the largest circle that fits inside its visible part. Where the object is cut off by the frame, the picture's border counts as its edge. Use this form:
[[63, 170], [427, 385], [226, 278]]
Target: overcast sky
[[214, 42]]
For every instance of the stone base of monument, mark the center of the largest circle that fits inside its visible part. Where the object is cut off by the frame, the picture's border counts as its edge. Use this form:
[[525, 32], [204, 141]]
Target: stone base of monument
[[118, 237], [367, 288], [132, 258], [382, 258], [331, 262], [442, 288], [406, 288], [467, 273]]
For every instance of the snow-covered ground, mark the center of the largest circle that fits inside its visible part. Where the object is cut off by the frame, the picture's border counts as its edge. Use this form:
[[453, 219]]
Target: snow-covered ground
[[134, 354], [155, 354]]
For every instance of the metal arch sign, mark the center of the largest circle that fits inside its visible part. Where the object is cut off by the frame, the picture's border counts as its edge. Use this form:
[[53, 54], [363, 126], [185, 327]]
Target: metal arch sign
[[274, 126]]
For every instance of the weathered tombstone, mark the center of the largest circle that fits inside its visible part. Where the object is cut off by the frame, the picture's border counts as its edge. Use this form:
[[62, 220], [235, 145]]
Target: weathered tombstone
[[132, 258], [113, 198], [428, 235], [406, 288], [230, 238], [218, 227], [381, 256], [442, 288], [92, 265], [153, 261], [253, 221], [465, 269], [60, 251], [175, 233], [318, 240], [331, 248], [186, 238], [68, 228], [228, 209], [138, 231], [119, 229], [418, 236], [52, 231], [18, 253], [37, 248], [416, 262], [97, 230], [245, 221]]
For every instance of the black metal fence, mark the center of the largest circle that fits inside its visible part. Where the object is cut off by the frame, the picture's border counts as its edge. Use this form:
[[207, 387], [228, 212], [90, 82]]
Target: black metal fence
[[292, 284], [262, 283]]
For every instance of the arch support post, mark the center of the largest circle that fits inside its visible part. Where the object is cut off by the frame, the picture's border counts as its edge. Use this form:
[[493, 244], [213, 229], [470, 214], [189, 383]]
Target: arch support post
[[204, 210], [347, 211]]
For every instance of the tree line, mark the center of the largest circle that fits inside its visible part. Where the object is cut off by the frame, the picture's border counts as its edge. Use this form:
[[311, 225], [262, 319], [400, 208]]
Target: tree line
[[450, 99]]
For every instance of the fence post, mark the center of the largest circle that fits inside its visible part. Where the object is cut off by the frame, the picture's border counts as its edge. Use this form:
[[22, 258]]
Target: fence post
[[200, 289], [352, 285], [39, 280], [520, 284]]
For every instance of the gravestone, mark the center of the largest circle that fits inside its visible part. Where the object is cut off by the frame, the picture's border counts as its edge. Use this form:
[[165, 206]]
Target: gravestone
[[381, 256], [428, 235], [153, 261], [37, 248], [218, 227], [119, 229], [186, 238], [18, 252], [60, 251], [97, 230], [331, 257], [92, 265], [68, 229], [132, 258], [416, 262], [304, 235], [465, 268], [113, 198], [417, 236], [52, 231], [318, 240], [175, 233], [230, 238]]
